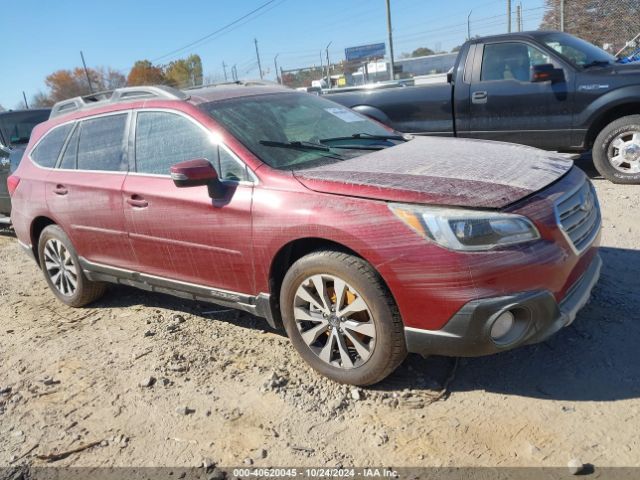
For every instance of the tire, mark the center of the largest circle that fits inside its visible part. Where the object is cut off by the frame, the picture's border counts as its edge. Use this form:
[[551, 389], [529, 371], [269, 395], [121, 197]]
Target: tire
[[59, 250], [373, 322], [605, 151]]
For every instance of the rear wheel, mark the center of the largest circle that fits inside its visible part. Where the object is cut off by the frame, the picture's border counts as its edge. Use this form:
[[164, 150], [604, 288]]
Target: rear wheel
[[62, 271], [616, 151], [341, 318]]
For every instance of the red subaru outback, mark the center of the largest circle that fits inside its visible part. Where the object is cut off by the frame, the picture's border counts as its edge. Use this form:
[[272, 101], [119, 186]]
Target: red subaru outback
[[363, 243]]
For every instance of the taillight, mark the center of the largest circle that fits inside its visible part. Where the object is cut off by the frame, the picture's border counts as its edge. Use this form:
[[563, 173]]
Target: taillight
[[12, 184]]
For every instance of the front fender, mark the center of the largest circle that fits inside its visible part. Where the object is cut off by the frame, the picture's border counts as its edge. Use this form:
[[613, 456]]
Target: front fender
[[604, 104]]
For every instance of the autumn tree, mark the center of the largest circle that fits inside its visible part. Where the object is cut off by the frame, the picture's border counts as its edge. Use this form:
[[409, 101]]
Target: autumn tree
[[605, 23], [185, 72], [145, 73]]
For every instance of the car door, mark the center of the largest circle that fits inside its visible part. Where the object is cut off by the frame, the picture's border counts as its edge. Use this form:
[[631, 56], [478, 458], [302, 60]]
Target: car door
[[84, 191], [182, 234], [506, 105]]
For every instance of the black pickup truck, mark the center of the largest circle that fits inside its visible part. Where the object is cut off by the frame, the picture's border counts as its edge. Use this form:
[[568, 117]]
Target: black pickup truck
[[549, 90]]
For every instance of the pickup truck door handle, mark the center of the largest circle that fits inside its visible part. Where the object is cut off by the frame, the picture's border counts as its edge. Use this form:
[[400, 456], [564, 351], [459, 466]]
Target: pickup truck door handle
[[60, 190], [137, 201], [479, 97]]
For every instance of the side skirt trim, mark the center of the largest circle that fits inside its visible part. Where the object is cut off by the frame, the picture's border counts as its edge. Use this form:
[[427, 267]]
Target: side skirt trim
[[257, 305]]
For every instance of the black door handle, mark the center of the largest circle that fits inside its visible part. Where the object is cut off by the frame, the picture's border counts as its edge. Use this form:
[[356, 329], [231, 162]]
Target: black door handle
[[137, 201], [479, 97], [60, 190]]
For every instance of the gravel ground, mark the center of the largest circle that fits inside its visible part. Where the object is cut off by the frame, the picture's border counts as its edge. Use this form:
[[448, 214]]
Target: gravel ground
[[158, 381]]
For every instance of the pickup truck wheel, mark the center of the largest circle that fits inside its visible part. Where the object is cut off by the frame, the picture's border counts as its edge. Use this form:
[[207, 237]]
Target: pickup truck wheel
[[616, 151], [62, 270], [341, 318]]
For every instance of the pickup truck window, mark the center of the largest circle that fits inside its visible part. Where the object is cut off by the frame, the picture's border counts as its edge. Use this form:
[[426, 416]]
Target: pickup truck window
[[510, 61], [577, 51]]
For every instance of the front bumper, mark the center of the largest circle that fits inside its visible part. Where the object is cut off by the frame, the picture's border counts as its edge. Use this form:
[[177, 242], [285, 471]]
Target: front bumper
[[537, 317]]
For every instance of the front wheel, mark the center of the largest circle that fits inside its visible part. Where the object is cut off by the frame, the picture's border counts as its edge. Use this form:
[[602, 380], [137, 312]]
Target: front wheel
[[616, 151], [62, 270], [341, 318]]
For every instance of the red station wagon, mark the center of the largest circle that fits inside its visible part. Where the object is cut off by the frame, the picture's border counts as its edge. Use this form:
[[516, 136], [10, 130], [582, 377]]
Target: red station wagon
[[364, 243]]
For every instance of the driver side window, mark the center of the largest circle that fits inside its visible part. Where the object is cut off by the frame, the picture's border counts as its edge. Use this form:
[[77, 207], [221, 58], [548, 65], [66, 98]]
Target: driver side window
[[510, 61]]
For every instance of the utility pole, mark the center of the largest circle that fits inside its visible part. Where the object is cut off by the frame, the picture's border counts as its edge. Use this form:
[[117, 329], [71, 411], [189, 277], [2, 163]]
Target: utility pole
[[390, 32], [469, 25], [224, 69], [519, 16], [508, 16], [234, 73], [26, 105], [275, 64], [86, 72], [321, 66], [562, 15], [328, 65], [258, 57]]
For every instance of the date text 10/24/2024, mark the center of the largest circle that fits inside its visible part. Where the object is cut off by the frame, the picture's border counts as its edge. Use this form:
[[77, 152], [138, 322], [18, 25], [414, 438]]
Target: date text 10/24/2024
[[315, 472]]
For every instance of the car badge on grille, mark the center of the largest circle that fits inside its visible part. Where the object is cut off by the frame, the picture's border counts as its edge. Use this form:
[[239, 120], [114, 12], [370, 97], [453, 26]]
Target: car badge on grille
[[587, 202]]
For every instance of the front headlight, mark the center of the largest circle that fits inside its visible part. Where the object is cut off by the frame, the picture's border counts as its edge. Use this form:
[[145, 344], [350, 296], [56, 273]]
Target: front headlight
[[468, 230]]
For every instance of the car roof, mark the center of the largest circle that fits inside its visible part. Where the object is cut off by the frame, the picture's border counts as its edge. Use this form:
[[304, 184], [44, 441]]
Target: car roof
[[29, 110], [120, 97], [529, 35]]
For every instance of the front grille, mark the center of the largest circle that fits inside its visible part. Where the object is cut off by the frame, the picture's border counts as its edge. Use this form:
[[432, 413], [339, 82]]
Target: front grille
[[578, 215]]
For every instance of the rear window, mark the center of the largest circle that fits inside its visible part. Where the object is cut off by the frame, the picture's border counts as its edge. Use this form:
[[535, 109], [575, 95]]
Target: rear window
[[48, 149], [16, 126]]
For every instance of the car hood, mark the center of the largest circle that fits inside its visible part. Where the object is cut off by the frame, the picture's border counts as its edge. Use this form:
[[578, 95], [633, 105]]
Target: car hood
[[441, 171]]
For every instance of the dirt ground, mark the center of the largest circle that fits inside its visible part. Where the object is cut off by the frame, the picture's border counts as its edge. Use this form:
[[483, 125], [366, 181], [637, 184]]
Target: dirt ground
[[159, 381]]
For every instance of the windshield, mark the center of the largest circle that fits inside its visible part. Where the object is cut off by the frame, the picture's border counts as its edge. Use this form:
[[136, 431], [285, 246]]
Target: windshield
[[16, 126], [577, 51], [293, 131]]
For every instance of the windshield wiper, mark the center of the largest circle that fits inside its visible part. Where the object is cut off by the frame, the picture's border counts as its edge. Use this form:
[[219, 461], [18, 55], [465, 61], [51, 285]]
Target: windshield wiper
[[366, 136], [296, 144], [304, 145]]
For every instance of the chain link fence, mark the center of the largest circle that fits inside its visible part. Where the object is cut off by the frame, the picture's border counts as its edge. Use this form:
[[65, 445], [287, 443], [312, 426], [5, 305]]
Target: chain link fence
[[609, 24]]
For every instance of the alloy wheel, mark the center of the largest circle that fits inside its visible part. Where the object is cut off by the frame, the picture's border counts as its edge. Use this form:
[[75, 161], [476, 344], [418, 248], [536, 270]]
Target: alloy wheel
[[334, 321], [60, 267], [624, 152]]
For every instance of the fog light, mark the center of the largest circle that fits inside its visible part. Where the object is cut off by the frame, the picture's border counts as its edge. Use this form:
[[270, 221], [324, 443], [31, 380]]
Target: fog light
[[502, 325]]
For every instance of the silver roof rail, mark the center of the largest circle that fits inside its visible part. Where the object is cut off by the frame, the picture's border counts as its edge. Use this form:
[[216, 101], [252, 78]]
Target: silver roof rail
[[118, 95]]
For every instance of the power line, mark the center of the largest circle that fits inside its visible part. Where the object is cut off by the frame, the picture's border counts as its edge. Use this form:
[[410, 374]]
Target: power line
[[201, 39]]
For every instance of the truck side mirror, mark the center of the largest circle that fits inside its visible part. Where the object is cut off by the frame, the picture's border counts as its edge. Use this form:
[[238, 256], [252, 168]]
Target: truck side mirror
[[450, 75], [547, 72]]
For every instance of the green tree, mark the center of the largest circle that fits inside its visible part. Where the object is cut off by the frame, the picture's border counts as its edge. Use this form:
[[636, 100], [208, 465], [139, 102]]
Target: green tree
[[185, 72], [422, 52]]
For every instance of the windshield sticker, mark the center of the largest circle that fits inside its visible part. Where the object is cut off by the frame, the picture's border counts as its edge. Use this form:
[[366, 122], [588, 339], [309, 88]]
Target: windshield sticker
[[344, 114]]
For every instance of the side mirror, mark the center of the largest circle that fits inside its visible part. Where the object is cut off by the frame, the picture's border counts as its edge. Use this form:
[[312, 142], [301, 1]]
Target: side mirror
[[196, 173], [547, 72]]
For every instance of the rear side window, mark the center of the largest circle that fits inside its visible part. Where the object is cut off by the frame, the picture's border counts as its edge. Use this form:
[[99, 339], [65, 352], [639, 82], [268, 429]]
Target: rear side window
[[101, 144], [48, 149], [70, 155], [164, 139]]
